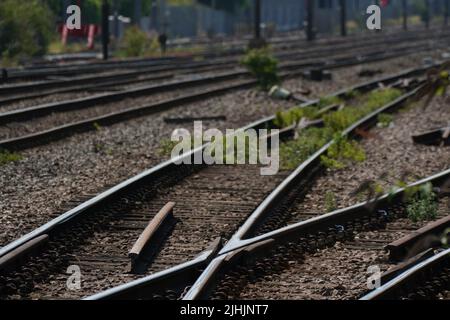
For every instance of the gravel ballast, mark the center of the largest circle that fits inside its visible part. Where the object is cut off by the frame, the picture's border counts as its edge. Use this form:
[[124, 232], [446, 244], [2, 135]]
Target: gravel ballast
[[390, 154], [37, 187]]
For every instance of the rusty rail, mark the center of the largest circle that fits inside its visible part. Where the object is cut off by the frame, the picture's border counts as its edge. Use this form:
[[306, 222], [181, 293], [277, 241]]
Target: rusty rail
[[393, 288], [419, 240], [245, 251], [64, 220]]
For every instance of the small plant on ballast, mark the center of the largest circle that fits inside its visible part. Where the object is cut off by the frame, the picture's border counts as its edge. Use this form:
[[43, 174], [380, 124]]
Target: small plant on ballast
[[422, 204], [438, 80], [385, 120], [292, 116], [445, 239], [7, 157], [134, 43], [166, 146], [294, 152], [262, 64], [341, 119], [330, 202], [342, 153]]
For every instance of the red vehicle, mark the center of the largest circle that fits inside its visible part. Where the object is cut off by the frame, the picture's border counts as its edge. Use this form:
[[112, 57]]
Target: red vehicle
[[88, 31]]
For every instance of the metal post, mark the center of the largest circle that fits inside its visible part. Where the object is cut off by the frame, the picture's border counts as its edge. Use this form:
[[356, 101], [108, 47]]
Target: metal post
[[257, 19], [137, 12], [343, 7], [377, 2], [427, 14], [154, 16], [116, 19], [161, 16], [66, 4], [309, 20], [446, 12], [211, 22], [105, 28], [405, 14]]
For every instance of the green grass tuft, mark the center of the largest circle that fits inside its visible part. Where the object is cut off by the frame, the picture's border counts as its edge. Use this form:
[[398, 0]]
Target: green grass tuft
[[310, 140], [423, 206], [385, 120], [330, 202], [8, 157], [341, 119], [262, 64], [342, 153], [294, 152], [284, 119]]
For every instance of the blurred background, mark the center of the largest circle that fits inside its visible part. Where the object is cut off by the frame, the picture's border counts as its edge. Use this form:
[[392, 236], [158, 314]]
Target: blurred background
[[36, 27]]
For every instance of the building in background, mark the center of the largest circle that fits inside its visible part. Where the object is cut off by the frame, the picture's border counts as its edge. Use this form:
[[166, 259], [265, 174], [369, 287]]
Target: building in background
[[208, 18]]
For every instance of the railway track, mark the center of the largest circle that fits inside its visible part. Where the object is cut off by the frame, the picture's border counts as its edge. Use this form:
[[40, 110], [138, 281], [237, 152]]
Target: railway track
[[329, 264], [350, 220], [100, 246], [172, 66], [43, 88], [94, 114], [324, 256], [428, 279], [88, 233], [313, 259]]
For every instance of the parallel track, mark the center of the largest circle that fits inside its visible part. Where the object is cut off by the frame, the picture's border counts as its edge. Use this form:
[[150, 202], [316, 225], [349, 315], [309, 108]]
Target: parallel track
[[68, 84], [426, 280], [77, 235], [33, 139]]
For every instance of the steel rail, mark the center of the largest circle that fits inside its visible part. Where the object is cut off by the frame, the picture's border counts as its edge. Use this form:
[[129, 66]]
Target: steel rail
[[302, 172], [88, 68], [177, 277], [102, 80], [389, 290], [267, 121], [45, 84], [247, 249], [97, 66], [42, 110], [239, 240], [166, 166], [53, 134], [203, 284], [142, 62], [339, 216], [421, 239]]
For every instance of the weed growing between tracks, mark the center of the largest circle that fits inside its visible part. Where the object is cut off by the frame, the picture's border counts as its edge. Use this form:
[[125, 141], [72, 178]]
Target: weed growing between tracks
[[136, 43], [294, 152], [309, 140], [423, 204], [239, 148], [385, 120], [421, 201], [364, 105], [166, 146], [342, 153], [7, 157], [262, 64], [423, 207], [293, 116], [330, 202]]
